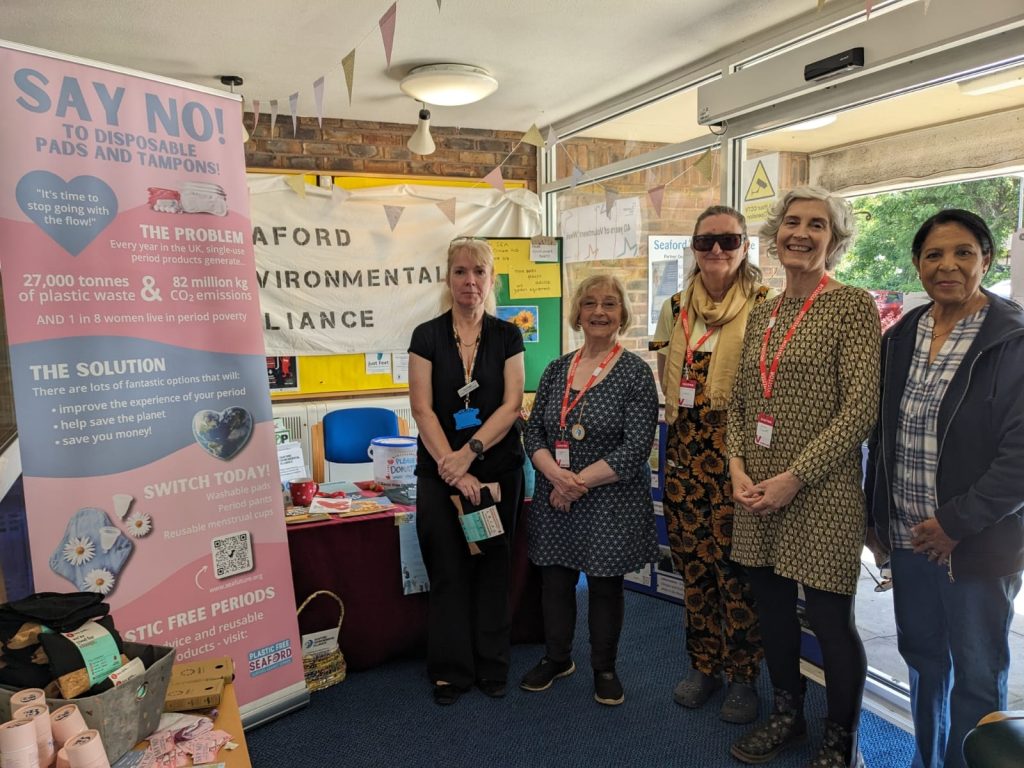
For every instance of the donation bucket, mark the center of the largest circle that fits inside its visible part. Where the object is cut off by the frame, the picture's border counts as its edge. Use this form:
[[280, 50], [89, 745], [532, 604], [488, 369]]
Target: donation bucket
[[394, 460]]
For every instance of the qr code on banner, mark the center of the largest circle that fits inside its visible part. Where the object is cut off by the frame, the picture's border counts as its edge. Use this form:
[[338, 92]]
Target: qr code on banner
[[232, 554]]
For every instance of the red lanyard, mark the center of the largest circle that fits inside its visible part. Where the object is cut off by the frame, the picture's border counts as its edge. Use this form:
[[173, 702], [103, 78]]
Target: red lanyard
[[566, 407], [768, 376], [700, 342]]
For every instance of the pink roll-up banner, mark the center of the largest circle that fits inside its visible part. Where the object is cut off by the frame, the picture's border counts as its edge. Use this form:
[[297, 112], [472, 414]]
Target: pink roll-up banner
[[137, 359]]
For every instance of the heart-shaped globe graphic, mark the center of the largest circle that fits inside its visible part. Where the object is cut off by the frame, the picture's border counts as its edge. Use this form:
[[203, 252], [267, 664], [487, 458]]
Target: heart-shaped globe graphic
[[224, 434]]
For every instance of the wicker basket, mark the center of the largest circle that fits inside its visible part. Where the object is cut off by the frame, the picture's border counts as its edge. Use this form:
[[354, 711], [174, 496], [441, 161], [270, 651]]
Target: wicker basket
[[326, 668]]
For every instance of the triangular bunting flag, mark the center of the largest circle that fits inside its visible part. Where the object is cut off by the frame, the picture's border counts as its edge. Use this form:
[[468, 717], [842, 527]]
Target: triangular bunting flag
[[448, 208], [338, 194], [552, 139], [293, 103], [867, 8], [318, 96], [610, 196], [926, 4], [533, 137], [387, 30], [256, 112], [439, 8], [577, 174], [705, 164], [394, 213], [494, 179], [297, 182], [273, 116], [348, 64], [821, 4], [657, 195]]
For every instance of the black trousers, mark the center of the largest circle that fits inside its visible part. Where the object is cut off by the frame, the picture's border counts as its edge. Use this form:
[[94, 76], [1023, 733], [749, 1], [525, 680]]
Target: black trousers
[[831, 616], [604, 615], [468, 623]]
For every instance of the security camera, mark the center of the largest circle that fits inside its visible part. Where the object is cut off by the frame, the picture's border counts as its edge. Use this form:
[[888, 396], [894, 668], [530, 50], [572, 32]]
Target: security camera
[[834, 65]]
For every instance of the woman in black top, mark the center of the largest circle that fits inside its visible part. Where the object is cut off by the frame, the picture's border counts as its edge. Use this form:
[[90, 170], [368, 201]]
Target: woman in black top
[[466, 379]]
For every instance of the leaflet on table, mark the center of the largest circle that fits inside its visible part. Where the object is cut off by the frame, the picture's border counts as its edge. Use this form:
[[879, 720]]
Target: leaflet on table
[[290, 461], [137, 361], [414, 572]]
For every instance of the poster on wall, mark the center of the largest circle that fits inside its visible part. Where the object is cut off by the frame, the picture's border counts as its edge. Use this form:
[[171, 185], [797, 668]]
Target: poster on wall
[[137, 360], [282, 373], [668, 262], [337, 276], [602, 231]]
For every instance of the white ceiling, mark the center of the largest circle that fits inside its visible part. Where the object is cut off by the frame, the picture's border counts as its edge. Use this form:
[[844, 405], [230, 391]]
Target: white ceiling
[[553, 59]]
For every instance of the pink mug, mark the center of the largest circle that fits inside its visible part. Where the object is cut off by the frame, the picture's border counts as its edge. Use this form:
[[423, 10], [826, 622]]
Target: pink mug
[[303, 490]]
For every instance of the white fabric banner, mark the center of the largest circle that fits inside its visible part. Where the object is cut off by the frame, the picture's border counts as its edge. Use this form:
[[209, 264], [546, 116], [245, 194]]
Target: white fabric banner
[[335, 279]]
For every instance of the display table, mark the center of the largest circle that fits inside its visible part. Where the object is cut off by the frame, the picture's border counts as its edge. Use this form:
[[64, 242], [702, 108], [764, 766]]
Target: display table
[[230, 721], [358, 559]]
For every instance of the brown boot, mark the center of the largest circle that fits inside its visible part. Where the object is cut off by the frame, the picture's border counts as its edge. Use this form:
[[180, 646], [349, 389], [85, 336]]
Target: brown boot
[[784, 728]]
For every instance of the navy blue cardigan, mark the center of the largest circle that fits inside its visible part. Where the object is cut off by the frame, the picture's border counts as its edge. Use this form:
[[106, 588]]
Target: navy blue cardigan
[[980, 473]]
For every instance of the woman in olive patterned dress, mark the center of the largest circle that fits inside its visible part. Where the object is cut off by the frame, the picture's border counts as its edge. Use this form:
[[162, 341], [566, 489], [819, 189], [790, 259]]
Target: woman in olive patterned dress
[[699, 338], [805, 400]]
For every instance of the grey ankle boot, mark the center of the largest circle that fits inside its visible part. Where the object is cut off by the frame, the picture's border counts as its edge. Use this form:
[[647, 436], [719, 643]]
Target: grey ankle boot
[[784, 728], [838, 749]]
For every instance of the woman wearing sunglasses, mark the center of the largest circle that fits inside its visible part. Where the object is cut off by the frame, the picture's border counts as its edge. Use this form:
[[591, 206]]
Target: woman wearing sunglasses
[[699, 339], [806, 398]]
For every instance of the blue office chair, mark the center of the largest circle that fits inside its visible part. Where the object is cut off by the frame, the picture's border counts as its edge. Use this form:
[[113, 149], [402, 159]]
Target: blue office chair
[[348, 432]]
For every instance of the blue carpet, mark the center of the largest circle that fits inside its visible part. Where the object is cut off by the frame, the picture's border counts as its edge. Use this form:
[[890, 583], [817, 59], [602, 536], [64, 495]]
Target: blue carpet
[[386, 716]]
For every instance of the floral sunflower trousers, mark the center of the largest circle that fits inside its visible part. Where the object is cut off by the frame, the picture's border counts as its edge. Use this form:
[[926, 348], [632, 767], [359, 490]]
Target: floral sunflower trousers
[[722, 632]]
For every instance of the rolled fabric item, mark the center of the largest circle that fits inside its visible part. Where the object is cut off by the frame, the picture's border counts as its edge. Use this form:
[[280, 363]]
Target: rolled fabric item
[[39, 714], [66, 722], [86, 750], [18, 744], [62, 758], [26, 697]]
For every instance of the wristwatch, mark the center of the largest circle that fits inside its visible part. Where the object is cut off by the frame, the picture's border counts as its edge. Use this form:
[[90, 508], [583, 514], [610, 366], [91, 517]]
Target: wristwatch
[[476, 447]]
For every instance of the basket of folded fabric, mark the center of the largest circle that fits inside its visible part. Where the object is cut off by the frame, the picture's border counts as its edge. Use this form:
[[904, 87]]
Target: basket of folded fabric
[[323, 663]]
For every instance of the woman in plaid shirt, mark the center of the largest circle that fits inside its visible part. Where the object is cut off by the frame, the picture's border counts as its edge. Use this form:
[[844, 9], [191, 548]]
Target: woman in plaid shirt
[[945, 486]]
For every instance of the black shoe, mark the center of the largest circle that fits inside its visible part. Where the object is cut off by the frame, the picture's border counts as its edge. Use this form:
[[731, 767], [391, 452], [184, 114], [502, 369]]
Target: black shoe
[[740, 705], [494, 688], [545, 673], [446, 694], [838, 749], [696, 689], [607, 688], [784, 728]]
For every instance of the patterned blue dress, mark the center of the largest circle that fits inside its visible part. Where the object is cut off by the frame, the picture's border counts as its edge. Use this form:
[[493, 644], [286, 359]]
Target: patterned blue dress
[[610, 531]]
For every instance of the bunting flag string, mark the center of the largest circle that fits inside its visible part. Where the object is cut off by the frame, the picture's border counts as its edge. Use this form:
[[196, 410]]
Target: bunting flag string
[[318, 97], [394, 213], [293, 102], [348, 66], [447, 206], [387, 30]]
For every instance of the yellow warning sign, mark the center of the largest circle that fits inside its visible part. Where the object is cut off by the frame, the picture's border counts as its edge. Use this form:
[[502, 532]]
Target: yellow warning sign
[[760, 185]]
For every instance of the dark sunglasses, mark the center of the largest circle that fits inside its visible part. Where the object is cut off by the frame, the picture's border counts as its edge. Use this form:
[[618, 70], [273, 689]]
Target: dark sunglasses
[[727, 242]]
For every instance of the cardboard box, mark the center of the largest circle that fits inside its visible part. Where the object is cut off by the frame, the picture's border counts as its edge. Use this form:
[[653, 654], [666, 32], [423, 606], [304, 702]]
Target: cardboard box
[[125, 715], [197, 694], [220, 668]]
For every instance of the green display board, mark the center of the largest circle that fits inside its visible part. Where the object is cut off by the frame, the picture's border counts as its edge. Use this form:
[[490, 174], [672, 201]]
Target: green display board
[[542, 336]]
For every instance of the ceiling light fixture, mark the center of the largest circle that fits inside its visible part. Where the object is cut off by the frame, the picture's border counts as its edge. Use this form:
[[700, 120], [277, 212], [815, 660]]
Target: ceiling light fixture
[[992, 82], [421, 141], [449, 85]]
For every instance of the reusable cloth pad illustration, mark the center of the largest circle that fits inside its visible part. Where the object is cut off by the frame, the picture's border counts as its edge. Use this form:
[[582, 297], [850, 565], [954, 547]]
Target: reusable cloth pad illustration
[[86, 524]]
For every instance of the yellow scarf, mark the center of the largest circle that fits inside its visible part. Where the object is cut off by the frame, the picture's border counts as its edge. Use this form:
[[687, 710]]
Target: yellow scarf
[[730, 316]]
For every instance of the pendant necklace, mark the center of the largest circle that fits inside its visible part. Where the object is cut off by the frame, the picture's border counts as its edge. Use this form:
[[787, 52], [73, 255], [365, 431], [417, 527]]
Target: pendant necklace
[[577, 430]]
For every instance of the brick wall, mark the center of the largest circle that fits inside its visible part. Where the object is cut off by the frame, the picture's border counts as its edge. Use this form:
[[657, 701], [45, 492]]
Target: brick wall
[[359, 146]]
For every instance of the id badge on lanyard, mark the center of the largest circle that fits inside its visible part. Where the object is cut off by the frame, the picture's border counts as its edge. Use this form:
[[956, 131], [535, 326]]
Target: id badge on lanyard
[[687, 393], [764, 429], [562, 453]]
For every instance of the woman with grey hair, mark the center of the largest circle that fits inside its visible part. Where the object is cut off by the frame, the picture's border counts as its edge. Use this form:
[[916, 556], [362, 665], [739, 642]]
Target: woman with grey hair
[[589, 435], [805, 399]]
